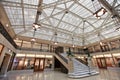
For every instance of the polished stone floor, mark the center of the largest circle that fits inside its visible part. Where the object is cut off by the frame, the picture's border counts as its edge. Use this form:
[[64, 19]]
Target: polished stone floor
[[110, 74]]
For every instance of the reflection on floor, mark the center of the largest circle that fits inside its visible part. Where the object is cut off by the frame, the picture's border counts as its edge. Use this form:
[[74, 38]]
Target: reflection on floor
[[110, 74]]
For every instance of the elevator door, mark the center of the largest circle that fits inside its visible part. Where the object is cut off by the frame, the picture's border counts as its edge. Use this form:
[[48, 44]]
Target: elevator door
[[39, 64], [101, 63]]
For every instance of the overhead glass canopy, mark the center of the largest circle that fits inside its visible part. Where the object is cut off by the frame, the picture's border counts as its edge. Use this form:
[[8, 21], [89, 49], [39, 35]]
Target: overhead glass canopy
[[69, 18]]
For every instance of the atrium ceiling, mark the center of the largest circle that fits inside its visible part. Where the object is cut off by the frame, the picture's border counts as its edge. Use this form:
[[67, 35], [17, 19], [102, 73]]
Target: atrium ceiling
[[73, 20]]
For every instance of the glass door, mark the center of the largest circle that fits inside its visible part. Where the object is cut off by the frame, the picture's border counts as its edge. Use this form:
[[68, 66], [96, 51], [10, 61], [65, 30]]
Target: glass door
[[101, 63], [39, 64]]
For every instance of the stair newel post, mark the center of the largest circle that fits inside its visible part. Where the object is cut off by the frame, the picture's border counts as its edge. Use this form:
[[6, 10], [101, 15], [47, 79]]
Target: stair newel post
[[89, 61], [70, 66], [70, 62]]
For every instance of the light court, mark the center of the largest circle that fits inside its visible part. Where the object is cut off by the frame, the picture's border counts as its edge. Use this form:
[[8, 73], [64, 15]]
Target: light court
[[59, 39]]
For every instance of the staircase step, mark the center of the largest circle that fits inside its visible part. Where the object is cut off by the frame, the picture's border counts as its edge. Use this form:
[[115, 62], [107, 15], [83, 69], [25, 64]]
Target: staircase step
[[85, 72], [81, 76]]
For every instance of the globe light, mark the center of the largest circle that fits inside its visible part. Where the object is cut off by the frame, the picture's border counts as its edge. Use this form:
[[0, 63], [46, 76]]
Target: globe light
[[33, 40]]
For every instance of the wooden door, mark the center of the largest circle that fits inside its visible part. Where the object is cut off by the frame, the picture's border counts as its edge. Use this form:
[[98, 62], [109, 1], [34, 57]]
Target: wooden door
[[39, 64], [101, 63]]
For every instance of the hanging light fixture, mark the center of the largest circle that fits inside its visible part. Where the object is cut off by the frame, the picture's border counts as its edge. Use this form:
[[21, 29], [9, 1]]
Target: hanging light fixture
[[33, 39], [73, 42], [55, 38], [36, 26], [100, 11]]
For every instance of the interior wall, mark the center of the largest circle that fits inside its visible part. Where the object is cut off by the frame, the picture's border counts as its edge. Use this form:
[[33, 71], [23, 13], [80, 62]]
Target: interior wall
[[7, 47], [5, 64]]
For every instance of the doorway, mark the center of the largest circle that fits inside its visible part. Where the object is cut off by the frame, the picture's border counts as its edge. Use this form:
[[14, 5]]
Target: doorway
[[39, 64], [5, 64], [101, 63]]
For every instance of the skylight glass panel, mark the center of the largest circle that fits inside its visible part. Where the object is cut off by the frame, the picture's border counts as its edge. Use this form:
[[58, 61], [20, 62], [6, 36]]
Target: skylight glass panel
[[88, 29], [29, 15], [54, 22], [15, 14], [61, 6], [109, 35], [48, 11], [18, 30], [56, 10], [17, 27], [59, 16], [13, 0], [42, 36], [77, 39], [44, 22], [78, 31], [66, 27], [109, 30], [49, 1], [75, 8], [68, 4], [62, 35], [44, 31], [111, 1], [61, 40], [70, 18], [98, 23], [34, 2], [27, 33], [94, 40], [91, 37]]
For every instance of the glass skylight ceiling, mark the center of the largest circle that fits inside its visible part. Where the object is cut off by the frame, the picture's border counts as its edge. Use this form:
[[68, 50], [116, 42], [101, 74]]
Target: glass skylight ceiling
[[78, 23]]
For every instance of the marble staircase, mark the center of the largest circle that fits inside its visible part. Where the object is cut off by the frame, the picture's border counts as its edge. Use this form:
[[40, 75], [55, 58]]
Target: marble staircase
[[79, 69]]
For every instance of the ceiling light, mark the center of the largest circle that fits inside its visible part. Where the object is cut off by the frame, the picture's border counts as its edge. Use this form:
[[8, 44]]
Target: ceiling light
[[84, 47], [9, 50], [100, 12], [55, 38], [7, 25], [101, 43], [73, 45], [55, 43], [33, 40], [98, 17]]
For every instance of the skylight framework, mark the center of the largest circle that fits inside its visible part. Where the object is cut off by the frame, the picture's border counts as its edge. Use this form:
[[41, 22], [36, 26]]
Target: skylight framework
[[22, 15]]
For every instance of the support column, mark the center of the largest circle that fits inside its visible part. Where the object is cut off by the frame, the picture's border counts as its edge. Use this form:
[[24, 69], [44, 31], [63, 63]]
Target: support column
[[53, 63], [109, 45]]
